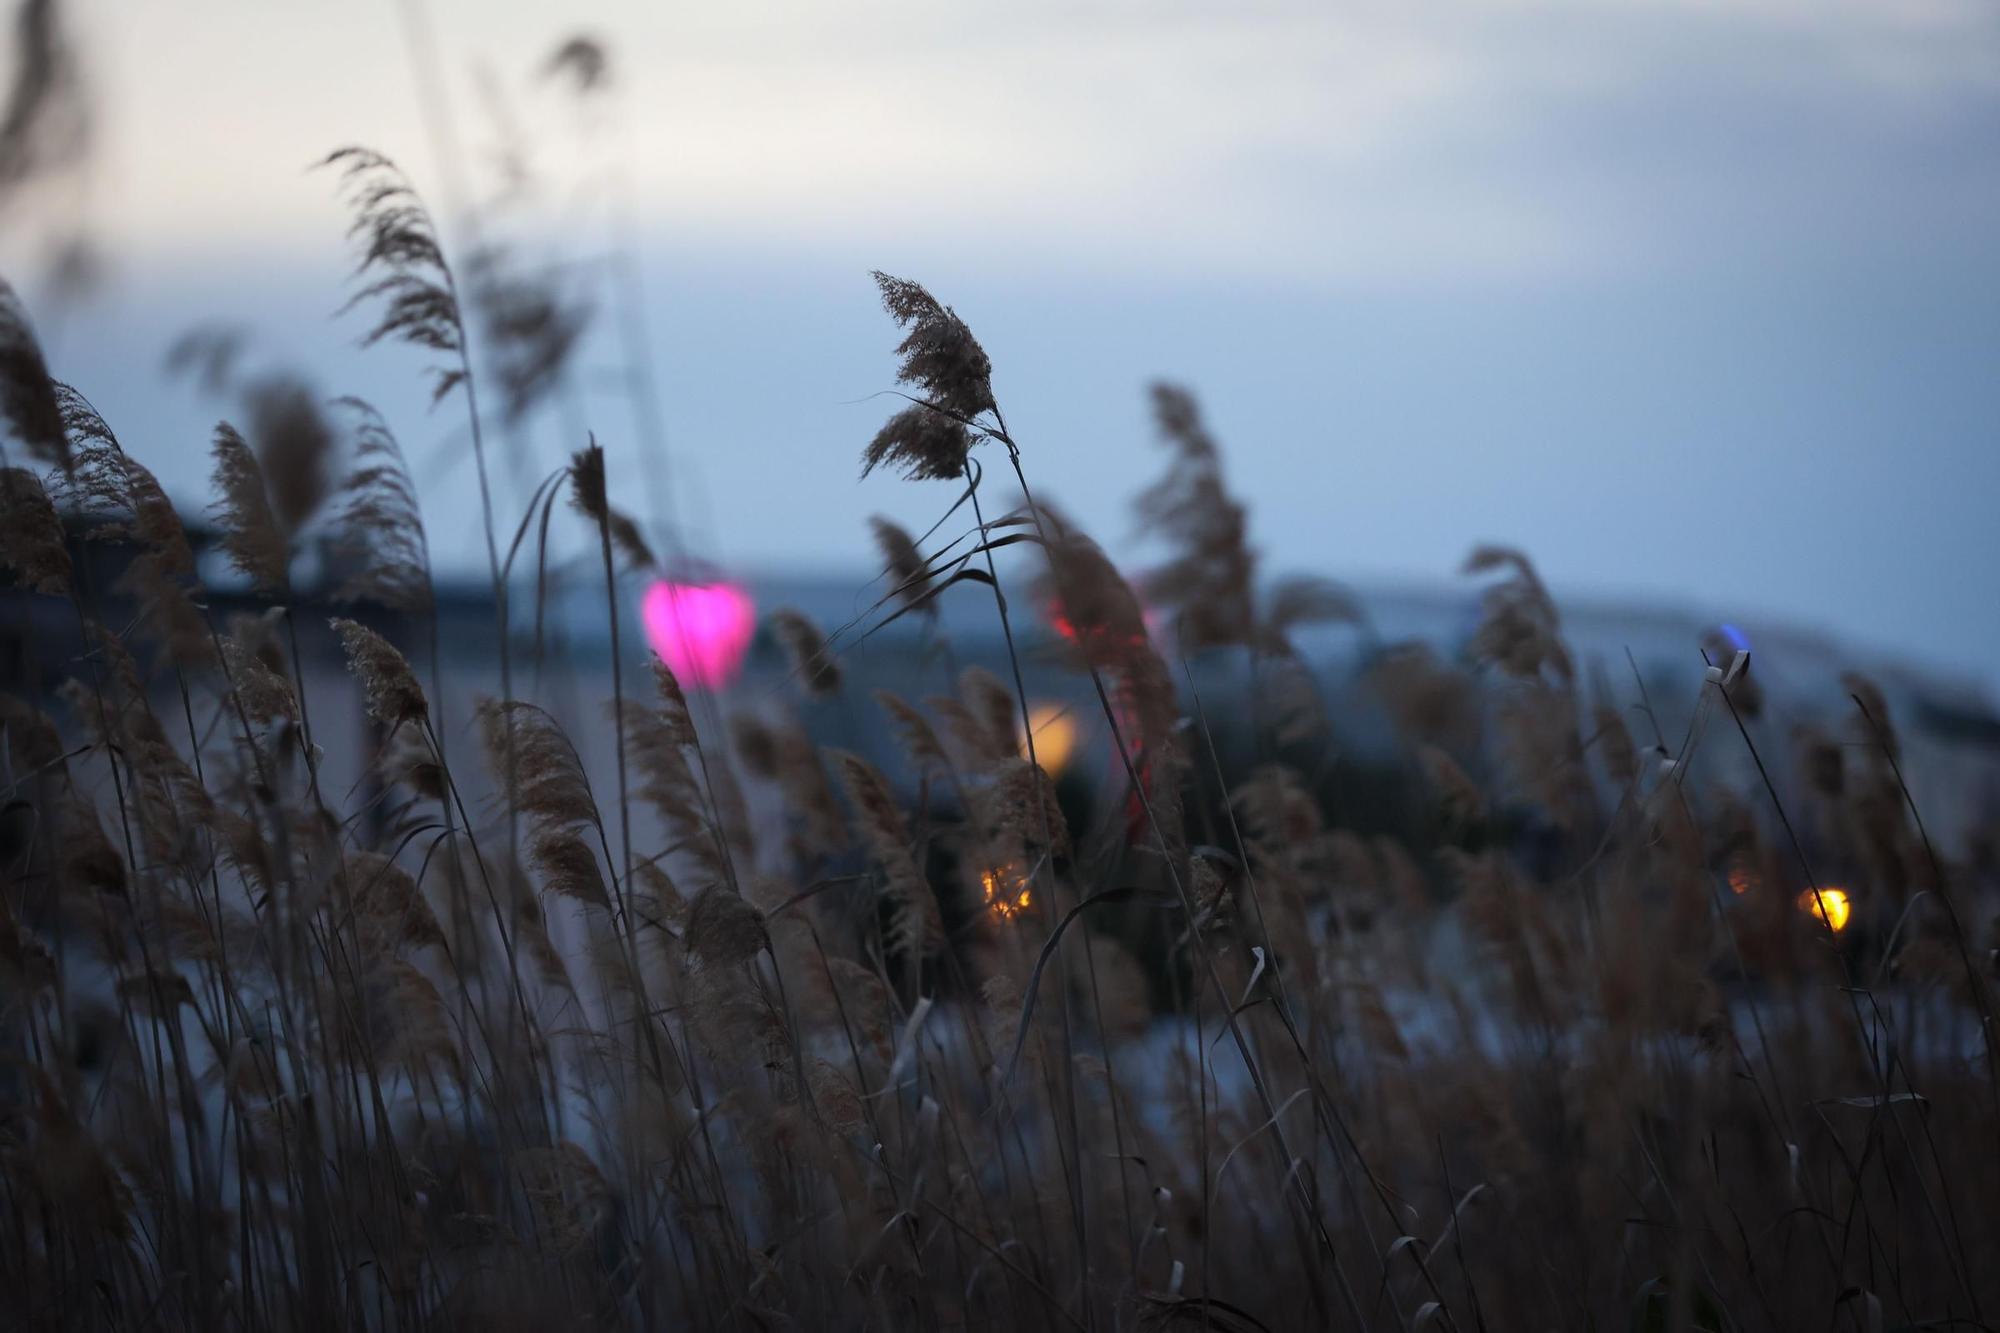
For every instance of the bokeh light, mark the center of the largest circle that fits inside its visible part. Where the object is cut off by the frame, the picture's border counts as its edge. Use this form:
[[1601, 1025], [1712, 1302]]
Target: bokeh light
[[1830, 906], [700, 630], [1006, 890], [1054, 728]]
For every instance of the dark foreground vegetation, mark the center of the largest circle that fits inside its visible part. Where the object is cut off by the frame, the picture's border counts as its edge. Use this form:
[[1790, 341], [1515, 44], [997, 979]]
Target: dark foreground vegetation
[[739, 1031]]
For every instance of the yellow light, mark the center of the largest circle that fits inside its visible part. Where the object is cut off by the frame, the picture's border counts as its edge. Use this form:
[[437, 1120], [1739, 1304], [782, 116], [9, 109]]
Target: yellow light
[[1055, 735], [1829, 906], [1006, 892]]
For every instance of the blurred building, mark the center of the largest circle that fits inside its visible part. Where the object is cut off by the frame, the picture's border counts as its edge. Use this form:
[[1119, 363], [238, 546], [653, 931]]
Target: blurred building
[[1646, 661]]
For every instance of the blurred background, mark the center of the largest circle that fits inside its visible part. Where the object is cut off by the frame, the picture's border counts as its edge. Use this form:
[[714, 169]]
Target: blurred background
[[1695, 302]]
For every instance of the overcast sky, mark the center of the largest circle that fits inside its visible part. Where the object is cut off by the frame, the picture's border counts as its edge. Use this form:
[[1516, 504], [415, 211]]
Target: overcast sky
[[1694, 301]]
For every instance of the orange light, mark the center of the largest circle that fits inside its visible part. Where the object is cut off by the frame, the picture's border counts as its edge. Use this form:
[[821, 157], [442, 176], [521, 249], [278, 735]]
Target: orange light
[[1829, 906], [1742, 878], [1006, 892], [1054, 730], [1095, 638]]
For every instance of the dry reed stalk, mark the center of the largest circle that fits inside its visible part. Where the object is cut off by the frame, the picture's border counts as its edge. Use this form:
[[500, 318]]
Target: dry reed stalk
[[1555, 1068]]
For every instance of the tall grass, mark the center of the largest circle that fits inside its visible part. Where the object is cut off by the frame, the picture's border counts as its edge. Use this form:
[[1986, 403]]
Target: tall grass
[[481, 1045]]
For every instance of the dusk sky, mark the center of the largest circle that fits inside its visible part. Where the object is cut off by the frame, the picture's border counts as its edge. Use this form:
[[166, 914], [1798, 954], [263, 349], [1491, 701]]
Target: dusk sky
[[1696, 302]]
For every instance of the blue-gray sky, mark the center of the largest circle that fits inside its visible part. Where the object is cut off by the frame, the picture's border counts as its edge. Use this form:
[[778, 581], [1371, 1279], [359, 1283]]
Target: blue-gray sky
[[1693, 301]]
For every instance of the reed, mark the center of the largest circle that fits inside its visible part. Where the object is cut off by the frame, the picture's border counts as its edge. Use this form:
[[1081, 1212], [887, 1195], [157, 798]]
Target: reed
[[1551, 1020]]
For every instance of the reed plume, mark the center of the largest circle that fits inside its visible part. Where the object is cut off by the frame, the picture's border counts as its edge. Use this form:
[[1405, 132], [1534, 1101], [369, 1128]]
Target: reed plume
[[587, 494], [1421, 993], [582, 61], [31, 535], [916, 929], [1210, 584], [294, 445], [46, 121], [531, 326], [909, 572], [27, 394], [806, 648], [401, 267], [249, 530], [939, 357], [393, 695], [379, 528], [922, 443]]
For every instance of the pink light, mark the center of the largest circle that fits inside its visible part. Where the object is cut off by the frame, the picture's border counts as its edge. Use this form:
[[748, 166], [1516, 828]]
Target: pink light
[[700, 630]]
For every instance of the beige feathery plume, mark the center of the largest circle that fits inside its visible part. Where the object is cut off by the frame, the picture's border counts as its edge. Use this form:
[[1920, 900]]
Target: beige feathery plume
[[990, 702], [916, 927], [1018, 804], [379, 527], [531, 932], [31, 535], [403, 1018], [408, 758], [207, 355], [391, 689], [1210, 582], [550, 792], [921, 443], [940, 357], [1292, 695], [1459, 798], [265, 691], [1107, 629], [782, 753], [531, 322], [756, 744], [88, 861], [920, 742], [1278, 812], [250, 533], [812, 659], [949, 371], [590, 498], [568, 866], [547, 774], [1427, 699], [31, 738], [27, 394], [834, 1094], [907, 568], [802, 777], [47, 125], [401, 264], [110, 485], [390, 910], [567, 1193], [295, 447], [722, 929], [1614, 746], [672, 712], [106, 482], [93, 485], [169, 613], [1521, 631], [1304, 600], [171, 802], [582, 62], [656, 741], [155, 521]]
